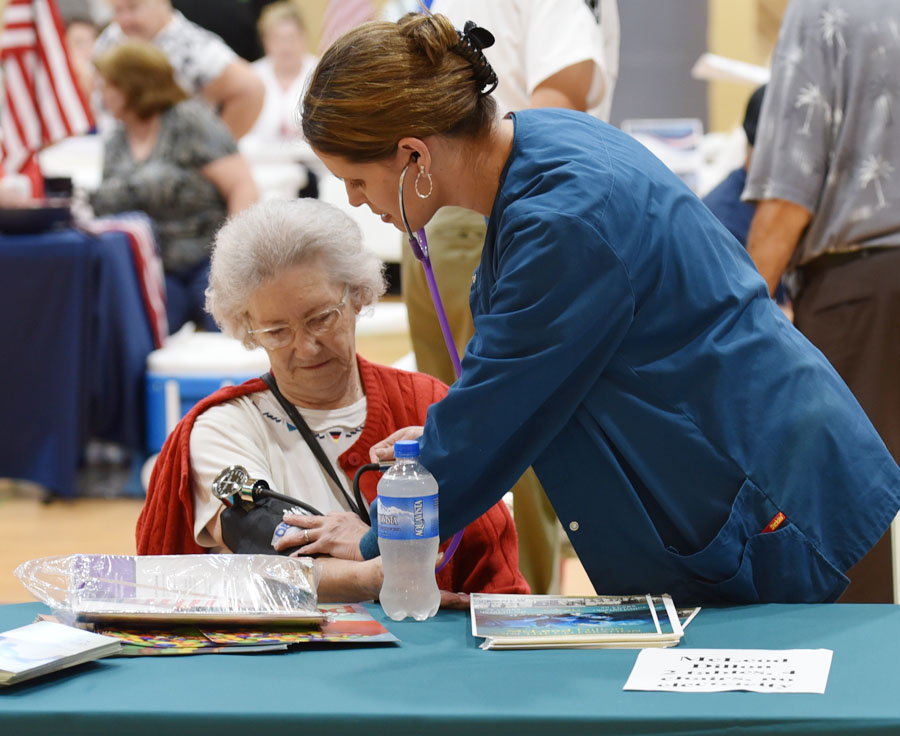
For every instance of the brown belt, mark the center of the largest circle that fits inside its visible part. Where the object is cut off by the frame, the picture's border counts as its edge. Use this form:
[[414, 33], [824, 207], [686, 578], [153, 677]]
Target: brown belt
[[827, 261]]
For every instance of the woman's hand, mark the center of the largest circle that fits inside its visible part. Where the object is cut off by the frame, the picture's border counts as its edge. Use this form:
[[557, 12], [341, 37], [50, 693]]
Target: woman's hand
[[459, 601], [384, 450], [336, 534], [343, 581], [346, 581]]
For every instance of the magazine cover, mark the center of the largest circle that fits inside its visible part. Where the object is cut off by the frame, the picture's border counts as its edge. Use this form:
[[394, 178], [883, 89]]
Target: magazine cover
[[44, 647], [544, 621]]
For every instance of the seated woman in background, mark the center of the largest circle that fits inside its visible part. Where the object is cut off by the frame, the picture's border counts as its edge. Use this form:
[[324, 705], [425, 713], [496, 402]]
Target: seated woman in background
[[174, 159], [292, 276], [275, 136], [284, 70]]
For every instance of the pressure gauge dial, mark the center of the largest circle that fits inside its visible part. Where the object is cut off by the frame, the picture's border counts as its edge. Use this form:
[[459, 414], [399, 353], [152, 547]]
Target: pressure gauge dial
[[230, 481]]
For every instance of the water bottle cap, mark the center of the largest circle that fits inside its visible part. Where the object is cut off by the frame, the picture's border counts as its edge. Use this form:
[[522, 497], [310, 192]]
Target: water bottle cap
[[406, 448]]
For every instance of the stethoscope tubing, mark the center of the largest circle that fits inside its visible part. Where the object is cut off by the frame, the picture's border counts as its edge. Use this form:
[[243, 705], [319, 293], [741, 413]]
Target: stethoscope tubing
[[419, 247]]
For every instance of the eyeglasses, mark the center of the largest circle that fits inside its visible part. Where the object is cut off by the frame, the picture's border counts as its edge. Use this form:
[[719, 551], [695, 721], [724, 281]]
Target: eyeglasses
[[318, 325]]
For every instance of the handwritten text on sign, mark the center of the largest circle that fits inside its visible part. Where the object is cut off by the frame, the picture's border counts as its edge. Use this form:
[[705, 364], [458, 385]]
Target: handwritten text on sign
[[717, 670]]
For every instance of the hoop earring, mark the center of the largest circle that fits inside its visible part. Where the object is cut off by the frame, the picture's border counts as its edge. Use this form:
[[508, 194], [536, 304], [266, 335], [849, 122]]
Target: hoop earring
[[430, 184]]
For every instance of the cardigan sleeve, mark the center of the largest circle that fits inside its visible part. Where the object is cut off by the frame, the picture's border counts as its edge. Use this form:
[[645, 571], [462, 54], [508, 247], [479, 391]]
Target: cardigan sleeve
[[487, 560], [166, 523]]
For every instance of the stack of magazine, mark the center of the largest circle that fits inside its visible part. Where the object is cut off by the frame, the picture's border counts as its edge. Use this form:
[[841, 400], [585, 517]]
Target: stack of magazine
[[606, 622], [341, 624]]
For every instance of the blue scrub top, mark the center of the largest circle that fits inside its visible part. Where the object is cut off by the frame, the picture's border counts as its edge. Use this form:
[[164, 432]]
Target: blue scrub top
[[626, 347]]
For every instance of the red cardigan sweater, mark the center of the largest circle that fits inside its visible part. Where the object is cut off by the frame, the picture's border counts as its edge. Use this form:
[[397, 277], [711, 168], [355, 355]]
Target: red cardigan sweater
[[487, 559]]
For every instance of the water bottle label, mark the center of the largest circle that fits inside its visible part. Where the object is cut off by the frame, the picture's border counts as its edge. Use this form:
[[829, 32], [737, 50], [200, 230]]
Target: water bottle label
[[415, 517]]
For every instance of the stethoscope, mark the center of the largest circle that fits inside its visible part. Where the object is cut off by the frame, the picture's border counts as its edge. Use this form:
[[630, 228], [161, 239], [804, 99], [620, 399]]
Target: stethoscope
[[234, 487], [419, 247]]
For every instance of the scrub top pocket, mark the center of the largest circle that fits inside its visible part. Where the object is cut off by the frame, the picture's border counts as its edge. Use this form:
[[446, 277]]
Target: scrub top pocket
[[743, 563]]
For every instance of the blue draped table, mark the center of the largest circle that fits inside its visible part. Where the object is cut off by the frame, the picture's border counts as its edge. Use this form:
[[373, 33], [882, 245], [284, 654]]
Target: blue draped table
[[76, 338], [437, 682]]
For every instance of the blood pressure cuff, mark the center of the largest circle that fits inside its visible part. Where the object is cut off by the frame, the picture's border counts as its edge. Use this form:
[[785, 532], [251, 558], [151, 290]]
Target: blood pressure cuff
[[252, 531]]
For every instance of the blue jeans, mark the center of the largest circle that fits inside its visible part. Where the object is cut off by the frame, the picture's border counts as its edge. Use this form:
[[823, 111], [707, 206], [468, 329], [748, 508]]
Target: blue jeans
[[186, 297]]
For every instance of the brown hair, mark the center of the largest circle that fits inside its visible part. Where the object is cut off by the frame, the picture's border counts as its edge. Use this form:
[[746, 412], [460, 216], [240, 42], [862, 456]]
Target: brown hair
[[277, 12], [143, 74], [381, 82]]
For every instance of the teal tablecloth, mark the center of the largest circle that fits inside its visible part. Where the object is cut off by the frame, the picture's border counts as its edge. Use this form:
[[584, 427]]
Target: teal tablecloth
[[438, 682]]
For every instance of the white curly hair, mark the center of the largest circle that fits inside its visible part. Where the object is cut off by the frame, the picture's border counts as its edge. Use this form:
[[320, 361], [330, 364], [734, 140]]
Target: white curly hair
[[258, 243]]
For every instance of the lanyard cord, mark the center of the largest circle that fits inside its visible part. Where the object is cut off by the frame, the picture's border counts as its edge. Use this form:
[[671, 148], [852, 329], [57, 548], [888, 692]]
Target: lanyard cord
[[358, 507], [419, 247]]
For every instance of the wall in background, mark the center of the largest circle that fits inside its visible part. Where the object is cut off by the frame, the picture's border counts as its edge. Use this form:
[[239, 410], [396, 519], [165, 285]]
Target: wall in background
[[661, 40], [745, 30]]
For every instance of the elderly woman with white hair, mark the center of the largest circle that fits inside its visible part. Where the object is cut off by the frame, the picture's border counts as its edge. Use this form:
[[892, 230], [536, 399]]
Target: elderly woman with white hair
[[291, 277]]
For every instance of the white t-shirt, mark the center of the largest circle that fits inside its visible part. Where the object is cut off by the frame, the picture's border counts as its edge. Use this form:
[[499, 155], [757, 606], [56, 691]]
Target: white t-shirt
[[253, 431], [279, 117], [535, 39]]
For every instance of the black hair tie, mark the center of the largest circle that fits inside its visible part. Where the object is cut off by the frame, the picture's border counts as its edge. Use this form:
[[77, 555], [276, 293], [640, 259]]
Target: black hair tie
[[472, 40]]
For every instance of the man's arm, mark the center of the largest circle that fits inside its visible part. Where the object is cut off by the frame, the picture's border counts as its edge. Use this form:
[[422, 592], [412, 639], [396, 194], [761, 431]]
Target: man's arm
[[238, 94], [774, 233], [569, 87]]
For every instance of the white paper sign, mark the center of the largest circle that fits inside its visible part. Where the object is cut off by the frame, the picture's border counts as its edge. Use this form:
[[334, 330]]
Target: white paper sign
[[718, 670]]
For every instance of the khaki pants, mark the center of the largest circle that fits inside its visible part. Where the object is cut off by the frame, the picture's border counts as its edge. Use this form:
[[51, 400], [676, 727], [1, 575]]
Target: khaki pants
[[455, 240]]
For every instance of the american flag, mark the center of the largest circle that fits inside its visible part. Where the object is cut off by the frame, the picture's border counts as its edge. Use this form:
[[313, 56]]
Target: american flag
[[41, 102], [147, 263]]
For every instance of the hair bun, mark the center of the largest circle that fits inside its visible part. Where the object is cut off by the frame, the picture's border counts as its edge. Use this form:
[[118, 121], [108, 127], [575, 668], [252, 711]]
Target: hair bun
[[431, 35], [382, 81]]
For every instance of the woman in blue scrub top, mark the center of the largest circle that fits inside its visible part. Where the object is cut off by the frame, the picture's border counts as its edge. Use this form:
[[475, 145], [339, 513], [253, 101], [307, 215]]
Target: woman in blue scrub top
[[690, 439]]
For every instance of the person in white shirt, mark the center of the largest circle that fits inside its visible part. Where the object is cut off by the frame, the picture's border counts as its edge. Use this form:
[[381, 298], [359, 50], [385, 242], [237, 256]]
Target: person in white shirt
[[558, 54], [204, 65], [283, 70], [275, 137]]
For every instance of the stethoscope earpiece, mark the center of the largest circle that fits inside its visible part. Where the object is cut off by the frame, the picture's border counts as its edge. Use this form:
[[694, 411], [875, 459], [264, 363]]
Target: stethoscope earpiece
[[419, 248]]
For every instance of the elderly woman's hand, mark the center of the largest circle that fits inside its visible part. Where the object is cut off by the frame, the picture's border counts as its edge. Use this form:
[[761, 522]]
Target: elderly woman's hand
[[336, 534], [384, 450], [347, 581], [459, 601]]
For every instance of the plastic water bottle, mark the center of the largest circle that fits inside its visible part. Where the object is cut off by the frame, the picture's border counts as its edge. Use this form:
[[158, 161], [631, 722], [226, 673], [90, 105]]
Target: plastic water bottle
[[408, 536]]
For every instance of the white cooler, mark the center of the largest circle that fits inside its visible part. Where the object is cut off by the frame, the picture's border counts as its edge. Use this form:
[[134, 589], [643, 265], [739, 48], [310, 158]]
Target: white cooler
[[189, 367]]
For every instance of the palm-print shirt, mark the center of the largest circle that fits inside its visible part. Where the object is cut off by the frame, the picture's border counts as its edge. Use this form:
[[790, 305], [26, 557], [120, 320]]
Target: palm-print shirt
[[829, 129]]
